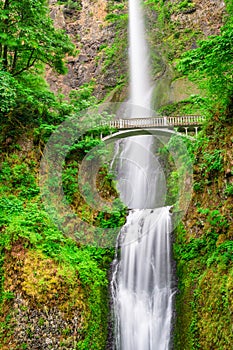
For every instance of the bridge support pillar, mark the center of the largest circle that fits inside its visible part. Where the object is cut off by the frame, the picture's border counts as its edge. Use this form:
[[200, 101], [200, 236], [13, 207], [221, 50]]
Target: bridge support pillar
[[196, 128], [186, 130]]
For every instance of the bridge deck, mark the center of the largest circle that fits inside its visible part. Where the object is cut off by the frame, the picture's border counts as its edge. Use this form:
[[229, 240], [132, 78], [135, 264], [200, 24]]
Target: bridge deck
[[157, 122]]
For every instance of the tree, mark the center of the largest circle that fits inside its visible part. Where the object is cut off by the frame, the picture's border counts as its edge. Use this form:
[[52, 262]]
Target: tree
[[28, 41], [28, 37]]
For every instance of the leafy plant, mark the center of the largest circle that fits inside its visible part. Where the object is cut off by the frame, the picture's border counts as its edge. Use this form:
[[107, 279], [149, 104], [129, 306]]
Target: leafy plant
[[212, 161], [229, 190], [211, 65]]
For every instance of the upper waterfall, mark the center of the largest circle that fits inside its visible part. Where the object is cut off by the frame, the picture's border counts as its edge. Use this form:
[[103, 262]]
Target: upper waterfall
[[140, 84]]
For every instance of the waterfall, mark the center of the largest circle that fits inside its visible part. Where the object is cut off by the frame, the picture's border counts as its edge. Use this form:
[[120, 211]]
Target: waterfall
[[140, 85], [141, 282]]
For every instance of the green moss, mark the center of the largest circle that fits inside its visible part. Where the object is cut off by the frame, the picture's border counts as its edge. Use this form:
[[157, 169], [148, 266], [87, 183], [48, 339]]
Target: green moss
[[214, 308]]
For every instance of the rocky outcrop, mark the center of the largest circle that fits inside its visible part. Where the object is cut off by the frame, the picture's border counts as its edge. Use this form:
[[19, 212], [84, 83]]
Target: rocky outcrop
[[46, 306], [206, 16], [183, 24], [90, 32], [46, 328]]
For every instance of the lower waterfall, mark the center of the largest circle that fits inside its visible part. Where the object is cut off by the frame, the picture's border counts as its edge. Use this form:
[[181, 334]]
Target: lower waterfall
[[141, 283]]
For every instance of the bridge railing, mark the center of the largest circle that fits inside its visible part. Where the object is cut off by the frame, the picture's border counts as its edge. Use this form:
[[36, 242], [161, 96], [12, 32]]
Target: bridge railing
[[187, 120]]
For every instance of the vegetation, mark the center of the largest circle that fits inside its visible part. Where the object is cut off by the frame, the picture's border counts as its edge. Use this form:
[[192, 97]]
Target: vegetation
[[40, 266], [42, 269], [203, 248], [28, 37], [211, 65]]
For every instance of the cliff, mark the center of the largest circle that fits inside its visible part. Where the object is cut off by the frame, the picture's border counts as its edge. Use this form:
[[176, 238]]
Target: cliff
[[91, 32]]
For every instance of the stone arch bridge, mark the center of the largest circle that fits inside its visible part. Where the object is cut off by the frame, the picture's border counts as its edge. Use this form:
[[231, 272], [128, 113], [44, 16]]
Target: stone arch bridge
[[134, 126]]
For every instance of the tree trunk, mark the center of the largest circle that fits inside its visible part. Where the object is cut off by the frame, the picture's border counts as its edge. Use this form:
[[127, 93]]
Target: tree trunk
[[5, 47]]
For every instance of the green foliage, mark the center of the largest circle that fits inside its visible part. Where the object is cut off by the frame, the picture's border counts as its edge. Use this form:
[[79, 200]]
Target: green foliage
[[28, 37], [83, 98], [115, 54], [114, 220], [26, 100], [163, 8], [214, 218], [5, 327], [30, 224], [204, 270], [175, 177], [186, 251], [71, 4], [204, 250], [43, 132], [185, 5], [24, 221], [211, 66], [69, 180], [205, 247], [212, 161], [229, 190], [194, 105], [28, 41], [116, 5], [18, 177], [114, 17], [7, 92]]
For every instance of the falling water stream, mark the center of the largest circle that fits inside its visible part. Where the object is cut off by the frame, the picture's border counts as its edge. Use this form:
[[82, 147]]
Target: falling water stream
[[141, 282]]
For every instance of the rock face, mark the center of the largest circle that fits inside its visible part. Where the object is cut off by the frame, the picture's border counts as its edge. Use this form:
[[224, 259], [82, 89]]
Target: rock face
[[86, 24], [47, 308], [185, 24], [90, 32], [46, 328], [206, 16]]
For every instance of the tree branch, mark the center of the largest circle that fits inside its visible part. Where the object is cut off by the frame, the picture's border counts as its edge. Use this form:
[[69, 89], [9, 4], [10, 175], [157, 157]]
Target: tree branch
[[25, 68]]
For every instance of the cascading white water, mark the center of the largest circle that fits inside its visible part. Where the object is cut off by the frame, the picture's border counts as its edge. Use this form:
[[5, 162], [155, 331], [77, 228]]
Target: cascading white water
[[140, 185], [141, 283]]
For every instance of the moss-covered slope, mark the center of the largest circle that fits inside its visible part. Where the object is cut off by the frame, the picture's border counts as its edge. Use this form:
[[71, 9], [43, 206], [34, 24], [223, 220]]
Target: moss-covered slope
[[204, 248]]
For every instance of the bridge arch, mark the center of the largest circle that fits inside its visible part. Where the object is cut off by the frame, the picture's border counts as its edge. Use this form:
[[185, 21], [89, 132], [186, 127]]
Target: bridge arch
[[143, 132]]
